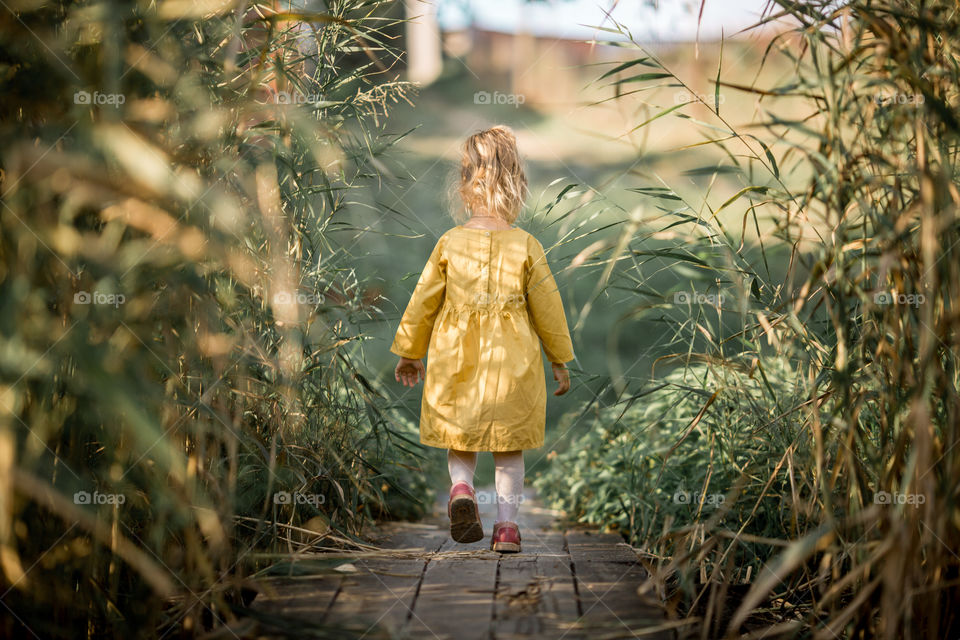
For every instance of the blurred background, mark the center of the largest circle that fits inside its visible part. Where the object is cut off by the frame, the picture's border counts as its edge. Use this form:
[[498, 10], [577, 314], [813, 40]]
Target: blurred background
[[539, 67]]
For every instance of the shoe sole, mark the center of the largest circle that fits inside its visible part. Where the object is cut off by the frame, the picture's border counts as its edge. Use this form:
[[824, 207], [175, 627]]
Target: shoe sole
[[506, 547], [464, 524]]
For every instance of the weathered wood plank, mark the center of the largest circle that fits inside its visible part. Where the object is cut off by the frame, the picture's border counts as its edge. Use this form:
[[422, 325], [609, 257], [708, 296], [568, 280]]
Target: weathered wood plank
[[539, 541], [608, 593], [455, 599], [538, 600], [608, 575], [559, 609], [589, 546], [410, 535], [381, 593], [450, 547], [518, 599], [306, 598], [574, 584]]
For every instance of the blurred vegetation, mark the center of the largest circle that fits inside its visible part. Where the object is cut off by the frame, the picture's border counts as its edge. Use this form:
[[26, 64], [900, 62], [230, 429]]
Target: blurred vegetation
[[793, 464], [673, 465], [178, 330]]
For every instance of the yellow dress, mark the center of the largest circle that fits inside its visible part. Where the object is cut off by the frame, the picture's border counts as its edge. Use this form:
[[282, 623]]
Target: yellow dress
[[484, 303]]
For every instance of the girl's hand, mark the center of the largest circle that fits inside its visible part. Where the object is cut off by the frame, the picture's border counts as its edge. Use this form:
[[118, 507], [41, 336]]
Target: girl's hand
[[409, 372], [562, 376]]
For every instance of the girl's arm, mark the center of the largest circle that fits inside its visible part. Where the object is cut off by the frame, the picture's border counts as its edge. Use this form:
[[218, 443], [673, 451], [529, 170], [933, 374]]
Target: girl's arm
[[546, 310], [562, 376], [409, 372], [416, 325]]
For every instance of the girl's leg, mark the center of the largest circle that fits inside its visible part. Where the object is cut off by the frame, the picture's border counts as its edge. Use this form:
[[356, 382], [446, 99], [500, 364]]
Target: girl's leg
[[462, 465], [509, 481], [465, 525]]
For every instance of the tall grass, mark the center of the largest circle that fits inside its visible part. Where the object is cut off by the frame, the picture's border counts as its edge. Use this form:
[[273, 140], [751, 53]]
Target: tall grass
[[179, 383], [808, 420]]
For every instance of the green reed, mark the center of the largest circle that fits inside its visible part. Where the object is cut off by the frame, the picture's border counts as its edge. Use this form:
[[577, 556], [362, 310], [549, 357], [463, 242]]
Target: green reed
[[181, 388]]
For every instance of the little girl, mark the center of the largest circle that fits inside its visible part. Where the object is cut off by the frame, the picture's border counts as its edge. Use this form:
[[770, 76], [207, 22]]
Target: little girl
[[484, 303]]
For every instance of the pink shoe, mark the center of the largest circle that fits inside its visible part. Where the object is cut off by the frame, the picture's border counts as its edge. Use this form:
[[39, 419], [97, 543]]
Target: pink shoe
[[464, 514], [505, 538]]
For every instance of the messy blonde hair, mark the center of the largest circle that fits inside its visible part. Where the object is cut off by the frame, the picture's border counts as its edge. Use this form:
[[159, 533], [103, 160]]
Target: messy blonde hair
[[491, 179]]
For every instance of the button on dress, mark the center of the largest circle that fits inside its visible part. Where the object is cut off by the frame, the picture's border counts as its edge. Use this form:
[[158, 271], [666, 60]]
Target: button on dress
[[485, 302]]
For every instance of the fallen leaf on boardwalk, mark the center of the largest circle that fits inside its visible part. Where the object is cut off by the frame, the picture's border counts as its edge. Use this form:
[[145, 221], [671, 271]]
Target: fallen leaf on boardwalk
[[346, 568]]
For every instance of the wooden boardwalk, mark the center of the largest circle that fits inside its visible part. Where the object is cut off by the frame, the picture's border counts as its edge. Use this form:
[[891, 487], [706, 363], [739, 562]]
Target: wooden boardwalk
[[565, 584]]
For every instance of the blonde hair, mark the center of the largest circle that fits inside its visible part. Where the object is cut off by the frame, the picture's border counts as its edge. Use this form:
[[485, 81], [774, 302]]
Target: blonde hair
[[491, 177]]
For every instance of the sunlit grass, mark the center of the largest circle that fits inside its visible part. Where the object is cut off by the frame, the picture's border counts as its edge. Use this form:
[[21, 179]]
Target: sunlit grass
[[814, 410], [181, 389]]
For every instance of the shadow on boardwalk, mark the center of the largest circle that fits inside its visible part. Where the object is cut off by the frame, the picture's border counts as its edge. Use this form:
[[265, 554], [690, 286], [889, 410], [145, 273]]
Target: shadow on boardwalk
[[565, 584]]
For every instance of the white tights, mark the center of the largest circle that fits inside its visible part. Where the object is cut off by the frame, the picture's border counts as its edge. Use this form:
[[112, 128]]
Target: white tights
[[509, 478]]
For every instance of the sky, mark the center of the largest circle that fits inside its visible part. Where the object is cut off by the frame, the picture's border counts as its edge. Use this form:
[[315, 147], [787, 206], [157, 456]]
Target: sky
[[647, 20]]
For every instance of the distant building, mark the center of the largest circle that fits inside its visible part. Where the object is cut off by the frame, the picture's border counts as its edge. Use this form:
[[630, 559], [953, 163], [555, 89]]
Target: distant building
[[538, 51], [650, 21]]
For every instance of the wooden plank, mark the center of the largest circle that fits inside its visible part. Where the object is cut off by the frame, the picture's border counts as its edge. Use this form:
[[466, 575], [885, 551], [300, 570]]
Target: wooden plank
[[559, 609], [609, 598], [380, 594], [455, 598], [536, 595], [382, 591], [518, 597], [409, 535], [588, 546], [539, 541], [608, 576], [481, 547], [571, 584], [306, 598]]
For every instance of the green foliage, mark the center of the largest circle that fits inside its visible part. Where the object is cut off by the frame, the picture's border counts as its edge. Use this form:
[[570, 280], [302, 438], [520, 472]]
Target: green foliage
[[697, 446], [838, 461], [178, 316]]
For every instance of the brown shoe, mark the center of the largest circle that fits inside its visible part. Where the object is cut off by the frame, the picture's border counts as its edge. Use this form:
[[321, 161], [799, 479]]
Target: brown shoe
[[464, 514], [505, 538]]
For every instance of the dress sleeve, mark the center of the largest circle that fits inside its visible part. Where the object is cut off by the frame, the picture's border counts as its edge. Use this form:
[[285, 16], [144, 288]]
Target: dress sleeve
[[545, 305], [416, 325]]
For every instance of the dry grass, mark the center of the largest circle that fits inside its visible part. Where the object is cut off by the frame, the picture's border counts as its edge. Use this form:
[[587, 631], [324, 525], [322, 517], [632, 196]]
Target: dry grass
[[176, 343], [837, 477]]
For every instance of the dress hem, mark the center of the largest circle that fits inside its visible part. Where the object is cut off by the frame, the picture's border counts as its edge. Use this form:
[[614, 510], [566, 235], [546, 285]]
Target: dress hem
[[480, 450]]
